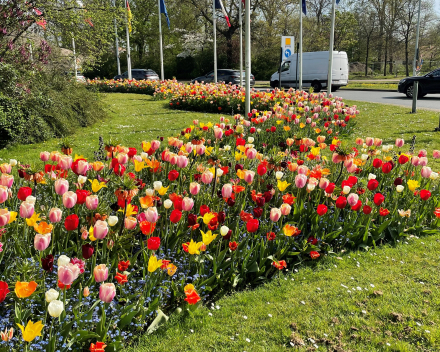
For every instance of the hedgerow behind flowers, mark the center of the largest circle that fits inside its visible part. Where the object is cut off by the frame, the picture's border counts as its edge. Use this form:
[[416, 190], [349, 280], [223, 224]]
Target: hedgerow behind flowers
[[92, 249]]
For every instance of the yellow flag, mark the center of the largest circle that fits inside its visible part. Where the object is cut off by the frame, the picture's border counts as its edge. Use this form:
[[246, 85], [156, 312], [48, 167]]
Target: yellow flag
[[129, 17]]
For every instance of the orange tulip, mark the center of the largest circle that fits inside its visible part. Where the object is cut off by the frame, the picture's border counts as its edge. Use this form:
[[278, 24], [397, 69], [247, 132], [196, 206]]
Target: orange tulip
[[25, 289], [43, 228], [290, 230]]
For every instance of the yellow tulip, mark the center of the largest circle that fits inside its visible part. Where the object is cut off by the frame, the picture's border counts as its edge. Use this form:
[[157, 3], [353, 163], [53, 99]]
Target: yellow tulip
[[139, 165], [208, 237], [207, 218], [154, 264], [91, 235], [130, 210], [12, 216], [78, 157], [163, 190], [194, 247], [33, 220], [315, 151], [240, 174], [146, 146], [412, 185], [31, 331], [96, 185], [282, 185], [208, 150]]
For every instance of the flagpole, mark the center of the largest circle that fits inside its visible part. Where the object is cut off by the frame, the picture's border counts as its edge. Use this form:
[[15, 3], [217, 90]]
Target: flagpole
[[215, 40], [160, 44], [416, 54], [130, 77], [241, 41], [300, 46], [330, 52], [248, 55], [74, 58], [117, 42]]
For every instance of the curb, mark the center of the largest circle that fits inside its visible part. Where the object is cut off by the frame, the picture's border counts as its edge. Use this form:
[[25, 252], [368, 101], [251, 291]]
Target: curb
[[370, 90]]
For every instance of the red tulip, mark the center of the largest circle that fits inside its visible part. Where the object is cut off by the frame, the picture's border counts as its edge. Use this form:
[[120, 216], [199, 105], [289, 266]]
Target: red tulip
[[204, 209], [322, 209], [372, 184], [23, 193], [258, 212], [252, 225], [261, 169], [87, 251], [270, 236], [330, 188], [378, 199], [383, 212], [377, 163], [357, 206], [314, 255], [173, 175], [341, 202], [424, 194], [233, 246], [175, 216], [4, 290], [403, 159], [367, 209], [81, 195], [131, 152], [71, 223], [387, 167], [153, 243]]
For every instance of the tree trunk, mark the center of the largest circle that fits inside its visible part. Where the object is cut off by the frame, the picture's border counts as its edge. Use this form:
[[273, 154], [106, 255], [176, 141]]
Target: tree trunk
[[229, 50], [366, 56], [406, 58], [386, 57]]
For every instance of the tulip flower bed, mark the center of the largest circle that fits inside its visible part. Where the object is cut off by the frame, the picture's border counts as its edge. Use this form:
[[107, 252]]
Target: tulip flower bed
[[148, 87], [95, 251]]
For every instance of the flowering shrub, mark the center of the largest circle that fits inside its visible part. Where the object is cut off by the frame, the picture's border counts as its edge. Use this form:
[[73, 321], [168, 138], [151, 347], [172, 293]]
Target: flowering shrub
[[102, 245]]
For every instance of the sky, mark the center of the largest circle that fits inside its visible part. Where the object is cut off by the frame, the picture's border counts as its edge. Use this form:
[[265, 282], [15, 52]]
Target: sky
[[437, 6]]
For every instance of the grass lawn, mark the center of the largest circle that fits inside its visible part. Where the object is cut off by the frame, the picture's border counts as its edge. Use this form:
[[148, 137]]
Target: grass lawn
[[371, 85], [381, 300], [357, 301]]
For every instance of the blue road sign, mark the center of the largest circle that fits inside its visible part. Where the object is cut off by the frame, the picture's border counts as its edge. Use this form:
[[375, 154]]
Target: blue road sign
[[287, 53]]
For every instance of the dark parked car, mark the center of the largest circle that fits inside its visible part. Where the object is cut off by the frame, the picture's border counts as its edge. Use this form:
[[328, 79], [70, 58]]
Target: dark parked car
[[428, 84], [139, 74], [224, 75]]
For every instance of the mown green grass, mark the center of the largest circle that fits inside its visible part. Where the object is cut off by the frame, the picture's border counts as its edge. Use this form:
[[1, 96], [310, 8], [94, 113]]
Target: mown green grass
[[132, 119], [371, 85], [378, 300]]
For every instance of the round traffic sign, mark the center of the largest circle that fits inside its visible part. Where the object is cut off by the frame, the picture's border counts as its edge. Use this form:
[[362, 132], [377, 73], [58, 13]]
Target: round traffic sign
[[287, 53]]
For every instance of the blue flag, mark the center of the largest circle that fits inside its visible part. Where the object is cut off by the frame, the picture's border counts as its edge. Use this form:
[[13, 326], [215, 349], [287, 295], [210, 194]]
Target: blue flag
[[304, 7], [163, 10], [337, 2]]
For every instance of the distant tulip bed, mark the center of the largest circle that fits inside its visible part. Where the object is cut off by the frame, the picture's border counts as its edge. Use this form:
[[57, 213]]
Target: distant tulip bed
[[93, 252], [148, 87]]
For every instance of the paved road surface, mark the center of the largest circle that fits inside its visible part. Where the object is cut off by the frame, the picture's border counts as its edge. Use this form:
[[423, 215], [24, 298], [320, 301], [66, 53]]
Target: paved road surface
[[431, 101]]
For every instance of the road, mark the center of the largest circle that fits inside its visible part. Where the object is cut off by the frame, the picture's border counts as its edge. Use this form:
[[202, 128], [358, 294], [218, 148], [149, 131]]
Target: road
[[431, 101]]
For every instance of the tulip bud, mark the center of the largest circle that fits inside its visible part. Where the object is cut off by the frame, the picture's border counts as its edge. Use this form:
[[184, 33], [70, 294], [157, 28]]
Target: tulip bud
[[346, 189], [149, 192], [224, 230], [55, 308], [399, 188], [168, 204], [51, 295], [112, 220], [13, 162], [82, 179], [157, 185], [86, 291]]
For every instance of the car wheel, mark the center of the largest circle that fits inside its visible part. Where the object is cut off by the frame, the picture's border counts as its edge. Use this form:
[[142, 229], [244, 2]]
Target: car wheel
[[316, 86], [409, 91]]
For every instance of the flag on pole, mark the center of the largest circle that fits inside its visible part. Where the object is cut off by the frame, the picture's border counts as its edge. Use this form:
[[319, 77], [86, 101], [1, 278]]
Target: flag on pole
[[304, 7], [129, 16], [337, 2], [219, 5], [163, 9]]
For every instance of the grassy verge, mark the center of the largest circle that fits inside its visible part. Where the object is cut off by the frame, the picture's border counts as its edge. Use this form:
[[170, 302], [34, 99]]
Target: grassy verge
[[381, 300], [371, 85], [133, 118]]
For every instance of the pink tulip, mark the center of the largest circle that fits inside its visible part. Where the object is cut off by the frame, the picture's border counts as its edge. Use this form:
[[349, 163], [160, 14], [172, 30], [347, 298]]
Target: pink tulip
[[323, 183], [189, 147], [6, 180], [151, 214], [68, 273], [187, 204], [336, 158], [55, 156], [275, 214], [55, 215], [426, 171], [182, 161], [207, 177], [3, 194], [44, 156], [218, 133], [155, 144], [423, 152], [423, 161], [399, 142], [141, 217], [249, 176], [5, 216], [107, 292], [65, 162], [352, 199], [200, 149], [300, 180], [377, 142], [352, 168], [5, 168], [251, 153], [285, 209], [302, 170], [415, 160], [92, 202], [227, 190], [130, 223], [122, 158], [61, 186], [83, 166], [100, 230], [194, 188], [137, 158], [100, 273], [359, 141], [69, 199], [369, 141], [308, 120], [436, 154], [41, 242], [26, 210]]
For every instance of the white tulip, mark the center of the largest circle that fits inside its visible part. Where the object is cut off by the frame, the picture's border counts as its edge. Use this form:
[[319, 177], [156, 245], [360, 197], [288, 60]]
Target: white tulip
[[227, 148], [112, 220], [250, 139], [82, 179], [371, 177], [51, 295], [364, 157], [433, 176], [55, 308], [400, 188], [279, 175], [13, 162], [31, 199], [168, 204], [157, 185], [224, 230], [346, 190], [63, 260]]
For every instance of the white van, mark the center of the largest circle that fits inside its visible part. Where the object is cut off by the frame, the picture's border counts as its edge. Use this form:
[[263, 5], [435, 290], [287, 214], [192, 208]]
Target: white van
[[315, 71]]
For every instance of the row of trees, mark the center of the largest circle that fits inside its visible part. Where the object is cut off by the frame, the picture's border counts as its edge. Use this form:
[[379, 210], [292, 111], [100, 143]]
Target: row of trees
[[380, 34]]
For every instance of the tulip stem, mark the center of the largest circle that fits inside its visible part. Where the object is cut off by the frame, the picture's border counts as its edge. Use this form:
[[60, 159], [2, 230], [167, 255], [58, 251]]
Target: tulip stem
[[340, 173], [123, 219], [215, 180]]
